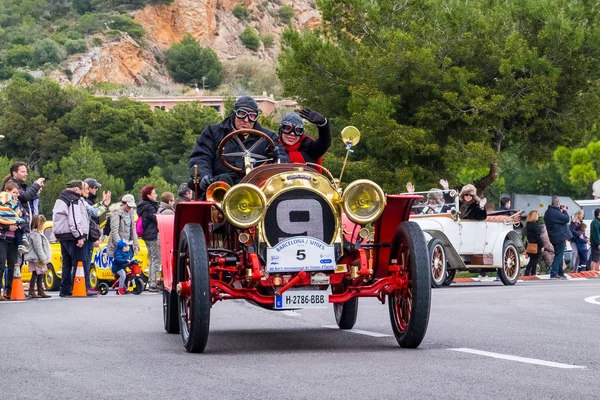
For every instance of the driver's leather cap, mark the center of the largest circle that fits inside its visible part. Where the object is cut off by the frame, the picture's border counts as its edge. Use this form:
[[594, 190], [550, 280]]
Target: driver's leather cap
[[246, 102]]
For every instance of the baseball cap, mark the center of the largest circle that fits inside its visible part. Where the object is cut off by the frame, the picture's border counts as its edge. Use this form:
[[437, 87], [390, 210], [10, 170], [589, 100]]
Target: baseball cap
[[75, 183], [92, 183], [129, 200]]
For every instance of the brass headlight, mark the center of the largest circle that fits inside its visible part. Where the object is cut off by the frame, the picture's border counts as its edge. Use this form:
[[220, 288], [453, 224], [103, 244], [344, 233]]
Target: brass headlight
[[363, 201], [244, 205]]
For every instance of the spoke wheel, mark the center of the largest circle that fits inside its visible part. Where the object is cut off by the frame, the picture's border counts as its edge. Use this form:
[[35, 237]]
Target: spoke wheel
[[511, 264], [193, 304], [438, 262], [227, 158], [451, 273], [409, 307], [345, 313]]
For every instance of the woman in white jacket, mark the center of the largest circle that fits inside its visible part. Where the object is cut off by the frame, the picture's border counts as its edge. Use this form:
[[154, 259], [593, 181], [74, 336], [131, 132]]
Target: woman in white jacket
[[38, 257]]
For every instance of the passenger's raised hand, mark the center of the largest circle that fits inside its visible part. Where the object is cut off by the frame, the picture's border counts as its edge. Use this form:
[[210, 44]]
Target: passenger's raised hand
[[482, 203], [106, 197], [312, 116], [410, 188], [444, 184]]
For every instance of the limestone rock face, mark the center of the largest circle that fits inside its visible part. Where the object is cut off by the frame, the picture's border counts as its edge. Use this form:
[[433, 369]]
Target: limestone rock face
[[211, 22]]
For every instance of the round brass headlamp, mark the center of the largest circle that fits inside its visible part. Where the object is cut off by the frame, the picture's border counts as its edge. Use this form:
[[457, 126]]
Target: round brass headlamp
[[244, 205], [363, 201]]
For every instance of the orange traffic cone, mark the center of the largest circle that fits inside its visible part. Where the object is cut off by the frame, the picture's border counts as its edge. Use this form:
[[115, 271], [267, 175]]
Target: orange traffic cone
[[79, 289], [17, 292]]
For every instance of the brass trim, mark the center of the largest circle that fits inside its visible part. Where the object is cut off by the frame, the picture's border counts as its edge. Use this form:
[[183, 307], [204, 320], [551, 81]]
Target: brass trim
[[227, 210], [354, 218]]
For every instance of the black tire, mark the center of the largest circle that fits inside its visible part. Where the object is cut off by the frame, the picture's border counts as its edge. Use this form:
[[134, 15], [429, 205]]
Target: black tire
[[51, 281], [194, 311], [450, 274], [103, 288], [511, 264], [170, 317], [437, 261], [409, 311], [138, 285], [346, 313]]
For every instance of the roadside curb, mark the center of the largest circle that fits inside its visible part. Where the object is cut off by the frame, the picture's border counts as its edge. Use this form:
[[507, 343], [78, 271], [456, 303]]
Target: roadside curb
[[574, 277]]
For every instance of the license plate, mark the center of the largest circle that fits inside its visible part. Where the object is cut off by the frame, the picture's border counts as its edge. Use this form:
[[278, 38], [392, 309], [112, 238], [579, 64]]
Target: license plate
[[293, 299], [300, 253]]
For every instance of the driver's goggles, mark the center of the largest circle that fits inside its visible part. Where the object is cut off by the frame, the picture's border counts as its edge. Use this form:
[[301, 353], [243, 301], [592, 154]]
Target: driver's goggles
[[289, 128], [242, 114]]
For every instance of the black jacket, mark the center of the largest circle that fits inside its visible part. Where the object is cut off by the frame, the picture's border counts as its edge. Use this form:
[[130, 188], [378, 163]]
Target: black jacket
[[474, 212], [147, 210], [534, 234], [312, 149], [556, 224], [94, 233], [204, 154]]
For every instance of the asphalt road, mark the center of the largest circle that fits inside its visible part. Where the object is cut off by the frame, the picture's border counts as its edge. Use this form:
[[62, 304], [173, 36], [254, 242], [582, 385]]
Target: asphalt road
[[115, 347]]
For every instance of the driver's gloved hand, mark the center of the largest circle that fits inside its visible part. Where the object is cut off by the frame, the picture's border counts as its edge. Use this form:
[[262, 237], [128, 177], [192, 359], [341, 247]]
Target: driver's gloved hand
[[313, 116], [279, 155], [205, 182]]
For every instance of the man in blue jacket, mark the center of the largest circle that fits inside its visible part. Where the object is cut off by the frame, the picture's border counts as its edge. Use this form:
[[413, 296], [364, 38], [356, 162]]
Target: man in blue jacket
[[557, 219]]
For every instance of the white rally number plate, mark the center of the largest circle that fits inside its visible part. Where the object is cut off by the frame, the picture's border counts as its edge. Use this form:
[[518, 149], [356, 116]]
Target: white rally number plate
[[300, 253], [293, 299]]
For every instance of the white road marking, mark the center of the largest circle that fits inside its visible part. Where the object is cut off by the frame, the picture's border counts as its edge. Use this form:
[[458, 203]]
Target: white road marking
[[519, 359], [291, 313], [358, 331], [593, 300]]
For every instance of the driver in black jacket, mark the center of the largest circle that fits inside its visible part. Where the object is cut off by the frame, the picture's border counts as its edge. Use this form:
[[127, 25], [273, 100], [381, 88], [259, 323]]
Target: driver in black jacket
[[204, 155]]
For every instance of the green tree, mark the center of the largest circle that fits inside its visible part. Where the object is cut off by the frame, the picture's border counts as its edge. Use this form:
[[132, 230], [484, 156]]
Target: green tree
[[439, 85], [18, 55], [188, 62], [250, 39], [46, 51], [267, 39], [241, 12], [286, 13], [83, 162], [125, 23], [155, 178], [75, 46], [174, 133]]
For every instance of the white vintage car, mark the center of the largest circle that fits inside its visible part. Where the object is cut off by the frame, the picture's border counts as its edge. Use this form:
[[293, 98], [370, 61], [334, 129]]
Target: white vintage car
[[456, 244]]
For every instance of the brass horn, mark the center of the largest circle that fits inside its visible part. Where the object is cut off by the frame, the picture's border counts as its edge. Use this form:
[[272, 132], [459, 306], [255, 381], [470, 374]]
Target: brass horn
[[216, 192]]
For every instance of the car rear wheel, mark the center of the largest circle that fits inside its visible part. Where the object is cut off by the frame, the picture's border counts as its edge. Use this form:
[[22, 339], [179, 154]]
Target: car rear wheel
[[194, 300], [511, 264], [437, 257], [409, 307], [51, 281], [450, 274]]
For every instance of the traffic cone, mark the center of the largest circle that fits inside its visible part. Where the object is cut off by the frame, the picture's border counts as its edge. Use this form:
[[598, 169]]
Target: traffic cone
[[17, 292], [79, 289]]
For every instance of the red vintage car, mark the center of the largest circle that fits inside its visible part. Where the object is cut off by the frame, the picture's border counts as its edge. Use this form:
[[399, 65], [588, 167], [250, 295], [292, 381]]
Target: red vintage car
[[288, 237]]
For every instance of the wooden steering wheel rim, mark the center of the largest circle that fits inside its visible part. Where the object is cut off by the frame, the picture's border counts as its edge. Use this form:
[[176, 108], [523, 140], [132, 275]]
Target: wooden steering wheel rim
[[231, 135]]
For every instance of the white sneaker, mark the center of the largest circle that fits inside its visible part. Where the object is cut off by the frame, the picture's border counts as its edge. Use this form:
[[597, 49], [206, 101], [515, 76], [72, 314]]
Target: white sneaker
[[478, 279]]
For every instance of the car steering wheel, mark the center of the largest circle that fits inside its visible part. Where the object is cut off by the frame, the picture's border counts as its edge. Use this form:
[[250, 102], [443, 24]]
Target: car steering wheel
[[244, 152]]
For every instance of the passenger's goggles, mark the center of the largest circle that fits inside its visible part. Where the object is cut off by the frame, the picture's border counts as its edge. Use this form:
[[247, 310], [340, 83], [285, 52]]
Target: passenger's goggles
[[242, 114], [291, 129]]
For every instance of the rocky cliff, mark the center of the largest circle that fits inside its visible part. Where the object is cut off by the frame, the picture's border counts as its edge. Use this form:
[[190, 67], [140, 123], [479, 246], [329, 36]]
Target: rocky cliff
[[211, 22]]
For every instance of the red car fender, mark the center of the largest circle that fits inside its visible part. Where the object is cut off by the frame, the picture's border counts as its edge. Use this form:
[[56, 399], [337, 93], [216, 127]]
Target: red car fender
[[396, 211]]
